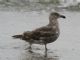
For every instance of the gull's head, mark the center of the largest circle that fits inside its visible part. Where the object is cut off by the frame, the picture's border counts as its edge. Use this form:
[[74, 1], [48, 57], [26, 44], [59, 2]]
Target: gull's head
[[55, 15]]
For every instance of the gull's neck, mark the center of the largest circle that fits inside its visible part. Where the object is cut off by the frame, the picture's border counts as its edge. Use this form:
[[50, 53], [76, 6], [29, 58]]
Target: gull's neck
[[54, 24]]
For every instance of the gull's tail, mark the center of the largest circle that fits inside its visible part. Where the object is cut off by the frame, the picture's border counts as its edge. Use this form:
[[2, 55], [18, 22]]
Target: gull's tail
[[17, 36]]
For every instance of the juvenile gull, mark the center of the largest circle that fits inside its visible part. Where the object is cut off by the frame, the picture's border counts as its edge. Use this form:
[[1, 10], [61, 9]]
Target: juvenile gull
[[43, 35]]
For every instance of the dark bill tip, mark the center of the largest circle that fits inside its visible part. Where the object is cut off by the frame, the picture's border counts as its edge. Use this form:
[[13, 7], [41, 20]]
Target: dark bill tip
[[62, 16]]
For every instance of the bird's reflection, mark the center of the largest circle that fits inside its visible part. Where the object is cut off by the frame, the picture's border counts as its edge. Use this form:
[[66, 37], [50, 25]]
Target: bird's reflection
[[38, 56]]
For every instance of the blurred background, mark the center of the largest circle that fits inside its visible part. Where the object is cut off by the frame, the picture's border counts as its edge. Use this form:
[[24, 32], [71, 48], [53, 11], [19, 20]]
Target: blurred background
[[17, 16], [36, 5]]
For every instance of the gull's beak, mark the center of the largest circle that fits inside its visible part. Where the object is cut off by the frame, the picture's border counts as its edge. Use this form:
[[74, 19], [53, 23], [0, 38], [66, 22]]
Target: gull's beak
[[62, 16]]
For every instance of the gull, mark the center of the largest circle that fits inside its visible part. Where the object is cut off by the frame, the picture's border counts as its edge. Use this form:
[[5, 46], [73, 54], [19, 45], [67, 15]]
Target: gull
[[43, 35]]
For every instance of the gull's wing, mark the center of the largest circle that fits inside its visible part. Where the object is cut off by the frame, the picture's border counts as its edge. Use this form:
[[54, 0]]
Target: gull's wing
[[43, 32]]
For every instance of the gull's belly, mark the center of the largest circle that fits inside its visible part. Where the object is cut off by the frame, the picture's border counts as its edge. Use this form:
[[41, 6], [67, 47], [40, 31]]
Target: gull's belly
[[45, 40]]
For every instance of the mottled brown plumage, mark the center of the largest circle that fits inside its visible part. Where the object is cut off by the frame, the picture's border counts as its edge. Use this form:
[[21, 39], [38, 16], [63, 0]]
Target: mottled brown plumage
[[43, 35]]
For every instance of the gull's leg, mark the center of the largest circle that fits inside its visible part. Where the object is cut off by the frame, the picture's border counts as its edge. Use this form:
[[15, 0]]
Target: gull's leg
[[30, 48], [45, 50]]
